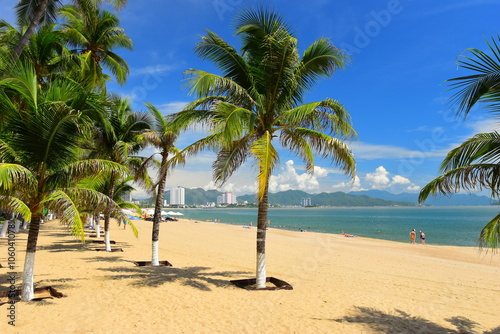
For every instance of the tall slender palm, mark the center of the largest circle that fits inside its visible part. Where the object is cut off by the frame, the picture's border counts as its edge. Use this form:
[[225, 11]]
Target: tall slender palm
[[161, 136], [34, 12], [118, 143], [257, 101], [475, 164], [39, 151], [94, 33]]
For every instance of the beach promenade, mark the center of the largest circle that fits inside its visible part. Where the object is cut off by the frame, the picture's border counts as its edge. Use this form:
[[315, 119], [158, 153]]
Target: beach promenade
[[341, 285]]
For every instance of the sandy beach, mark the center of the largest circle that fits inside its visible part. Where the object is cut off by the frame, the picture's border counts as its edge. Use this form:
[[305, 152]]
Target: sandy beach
[[340, 285]]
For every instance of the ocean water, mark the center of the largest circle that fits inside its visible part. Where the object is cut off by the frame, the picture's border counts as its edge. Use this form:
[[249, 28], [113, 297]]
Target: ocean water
[[457, 226]]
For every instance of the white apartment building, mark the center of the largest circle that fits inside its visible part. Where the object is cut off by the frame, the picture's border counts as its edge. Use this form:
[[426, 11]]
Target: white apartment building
[[177, 196]]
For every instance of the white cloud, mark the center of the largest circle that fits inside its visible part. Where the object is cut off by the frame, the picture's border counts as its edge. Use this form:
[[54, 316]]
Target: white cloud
[[153, 70], [172, 107], [354, 185], [373, 151], [398, 179], [378, 179], [484, 126], [290, 179]]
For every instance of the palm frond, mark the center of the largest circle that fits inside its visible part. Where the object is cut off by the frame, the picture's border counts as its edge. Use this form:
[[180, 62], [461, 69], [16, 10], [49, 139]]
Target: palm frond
[[490, 234], [474, 177], [482, 147], [15, 205], [13, 175]]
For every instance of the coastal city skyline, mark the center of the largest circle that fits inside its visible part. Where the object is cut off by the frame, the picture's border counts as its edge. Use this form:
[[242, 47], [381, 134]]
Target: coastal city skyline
[[402, 53]]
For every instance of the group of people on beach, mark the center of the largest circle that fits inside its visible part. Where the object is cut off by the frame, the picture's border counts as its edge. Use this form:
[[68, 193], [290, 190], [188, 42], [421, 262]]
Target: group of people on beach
[[413, 236]]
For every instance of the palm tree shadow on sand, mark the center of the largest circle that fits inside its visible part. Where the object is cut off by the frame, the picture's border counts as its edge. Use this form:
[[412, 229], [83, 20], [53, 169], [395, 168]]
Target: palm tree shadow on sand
[[197, 277], [403, 323]]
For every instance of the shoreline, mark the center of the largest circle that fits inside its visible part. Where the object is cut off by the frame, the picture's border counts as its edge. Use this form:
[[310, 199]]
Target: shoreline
[[341, 285]]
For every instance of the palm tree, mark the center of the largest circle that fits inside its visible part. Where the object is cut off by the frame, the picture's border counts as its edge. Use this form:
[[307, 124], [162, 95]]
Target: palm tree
[[257, 101], [46, 50], [162, 137], [93, 33], [34, 12], [39, 154], [474, 165], [118, 142], [122, 188]]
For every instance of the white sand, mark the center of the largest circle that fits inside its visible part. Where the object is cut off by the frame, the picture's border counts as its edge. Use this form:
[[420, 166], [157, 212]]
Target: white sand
[[341, 285]]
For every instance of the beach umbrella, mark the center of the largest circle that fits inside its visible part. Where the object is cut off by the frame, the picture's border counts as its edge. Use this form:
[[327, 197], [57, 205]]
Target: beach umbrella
[[172, 213]]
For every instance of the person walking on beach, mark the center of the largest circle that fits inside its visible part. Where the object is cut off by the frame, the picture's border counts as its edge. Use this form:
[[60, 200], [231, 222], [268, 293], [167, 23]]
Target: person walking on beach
[[422, 237], [413, 236]]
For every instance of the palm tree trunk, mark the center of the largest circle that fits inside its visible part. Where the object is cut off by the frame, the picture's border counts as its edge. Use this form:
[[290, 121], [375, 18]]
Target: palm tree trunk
[[28, 290], [160, 194], [97, 228], [3, 231], [107, 214], [31, 29], [261, 240]]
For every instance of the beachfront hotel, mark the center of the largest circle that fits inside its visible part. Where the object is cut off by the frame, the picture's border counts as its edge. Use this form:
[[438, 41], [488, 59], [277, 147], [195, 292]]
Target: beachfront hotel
[[177, 196]]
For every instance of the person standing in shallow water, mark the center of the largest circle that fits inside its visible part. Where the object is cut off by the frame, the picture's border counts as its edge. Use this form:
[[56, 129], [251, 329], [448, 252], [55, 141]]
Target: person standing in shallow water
[[413, 236], [422, 237]]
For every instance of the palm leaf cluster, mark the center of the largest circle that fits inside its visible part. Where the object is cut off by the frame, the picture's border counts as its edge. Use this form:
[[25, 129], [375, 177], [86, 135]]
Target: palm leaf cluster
[[475, 164]]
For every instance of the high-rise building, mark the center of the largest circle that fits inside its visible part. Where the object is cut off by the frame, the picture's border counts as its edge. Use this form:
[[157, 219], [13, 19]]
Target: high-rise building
[[305, 202], [177, 196]]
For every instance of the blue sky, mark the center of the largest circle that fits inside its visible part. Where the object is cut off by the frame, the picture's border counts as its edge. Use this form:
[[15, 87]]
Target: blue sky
[[402, 51]]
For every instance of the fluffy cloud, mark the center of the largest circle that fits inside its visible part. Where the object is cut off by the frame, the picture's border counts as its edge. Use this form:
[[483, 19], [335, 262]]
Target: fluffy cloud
[[354, 185], [380, 179], [290, 179]]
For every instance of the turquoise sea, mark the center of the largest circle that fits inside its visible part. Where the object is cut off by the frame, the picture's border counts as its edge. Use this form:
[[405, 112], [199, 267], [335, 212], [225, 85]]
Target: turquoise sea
[[458, 226]]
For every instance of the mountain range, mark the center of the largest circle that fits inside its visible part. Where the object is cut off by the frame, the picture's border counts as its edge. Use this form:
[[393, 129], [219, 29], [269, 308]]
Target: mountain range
[[199, 196]]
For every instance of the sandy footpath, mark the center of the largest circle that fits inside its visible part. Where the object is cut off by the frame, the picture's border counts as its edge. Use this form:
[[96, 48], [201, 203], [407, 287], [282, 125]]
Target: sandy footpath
[[341, 285]]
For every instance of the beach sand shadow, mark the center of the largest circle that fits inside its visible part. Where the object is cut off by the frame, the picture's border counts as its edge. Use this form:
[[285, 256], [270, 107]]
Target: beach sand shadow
[[402, 322], [197, 277]]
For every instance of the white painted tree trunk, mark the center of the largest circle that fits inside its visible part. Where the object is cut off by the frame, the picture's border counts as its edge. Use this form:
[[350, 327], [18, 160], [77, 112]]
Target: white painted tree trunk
[[3, 232], [106, 241], [28, 290], [261, 270], [17, 225], [97, 228], [155, 261]]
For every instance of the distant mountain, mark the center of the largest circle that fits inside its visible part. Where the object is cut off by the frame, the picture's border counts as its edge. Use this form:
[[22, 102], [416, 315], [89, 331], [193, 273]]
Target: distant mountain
[[293, 197], [454, 200], [197, 196]]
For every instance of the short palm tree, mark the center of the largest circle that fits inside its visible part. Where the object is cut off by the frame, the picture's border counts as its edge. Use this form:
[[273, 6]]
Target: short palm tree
[[162, 137], [256, 102], [118, 142], [39, 151], [475, 164]]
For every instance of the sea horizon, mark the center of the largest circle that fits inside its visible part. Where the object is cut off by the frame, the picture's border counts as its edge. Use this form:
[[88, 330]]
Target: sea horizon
[[451, 225]]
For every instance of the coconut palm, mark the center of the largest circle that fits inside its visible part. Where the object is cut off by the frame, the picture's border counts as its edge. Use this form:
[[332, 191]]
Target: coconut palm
[[256, 102], [161, 136], [32, 13], [46, 50], [118, 143], [93, 33], [474, 165], [39, 153]]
